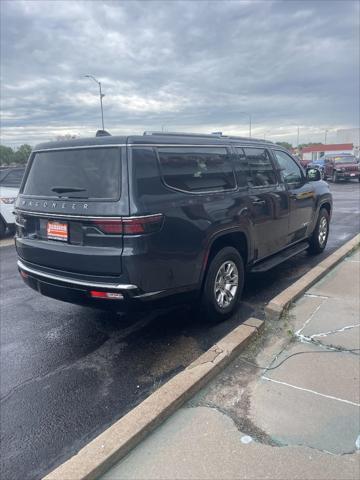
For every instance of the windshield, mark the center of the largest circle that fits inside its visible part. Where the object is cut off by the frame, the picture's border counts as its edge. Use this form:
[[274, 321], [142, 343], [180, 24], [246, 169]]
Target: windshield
[[345, 159], [88, 173], [11, 177]]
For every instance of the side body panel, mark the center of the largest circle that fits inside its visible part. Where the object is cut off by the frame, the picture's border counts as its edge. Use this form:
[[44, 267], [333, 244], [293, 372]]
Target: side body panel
[[175, 257]]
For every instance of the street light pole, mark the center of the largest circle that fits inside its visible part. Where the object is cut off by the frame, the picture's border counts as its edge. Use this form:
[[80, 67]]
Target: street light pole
[[326, 132], [101, 98], [249, 115]]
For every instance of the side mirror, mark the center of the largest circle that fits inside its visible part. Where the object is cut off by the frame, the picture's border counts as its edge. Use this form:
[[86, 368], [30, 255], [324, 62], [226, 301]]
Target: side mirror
[[313, 174]]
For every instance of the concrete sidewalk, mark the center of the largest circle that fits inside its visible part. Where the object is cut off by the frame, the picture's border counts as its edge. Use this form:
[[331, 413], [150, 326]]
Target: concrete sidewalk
[[299, 419]]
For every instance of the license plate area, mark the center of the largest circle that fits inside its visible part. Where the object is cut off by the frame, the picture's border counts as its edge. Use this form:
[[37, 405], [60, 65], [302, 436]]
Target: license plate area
[[57, 231]]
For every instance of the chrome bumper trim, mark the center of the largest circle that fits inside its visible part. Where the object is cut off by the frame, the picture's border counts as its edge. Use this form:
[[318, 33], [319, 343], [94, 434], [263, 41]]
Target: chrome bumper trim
[[112, 286]]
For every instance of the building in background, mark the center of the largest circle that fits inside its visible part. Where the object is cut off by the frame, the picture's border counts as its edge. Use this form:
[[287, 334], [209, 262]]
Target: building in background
[[315, 152]]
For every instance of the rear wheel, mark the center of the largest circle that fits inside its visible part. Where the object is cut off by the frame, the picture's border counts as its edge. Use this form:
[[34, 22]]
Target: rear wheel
[[223, 285], [319, 237]]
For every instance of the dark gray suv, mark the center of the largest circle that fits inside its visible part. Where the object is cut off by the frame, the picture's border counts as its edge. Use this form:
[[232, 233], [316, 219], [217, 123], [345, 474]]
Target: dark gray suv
[[119, 221]]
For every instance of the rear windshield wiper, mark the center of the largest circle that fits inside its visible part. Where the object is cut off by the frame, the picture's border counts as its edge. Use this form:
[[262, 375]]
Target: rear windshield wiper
[[61, 190]]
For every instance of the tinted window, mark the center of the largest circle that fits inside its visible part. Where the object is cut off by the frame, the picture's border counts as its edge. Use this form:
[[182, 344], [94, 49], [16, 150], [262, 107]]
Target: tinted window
[[146, 178], [290, 171], [12, 178], [261, 171], [241, 167], [197, 169], [345, 159], [85, 173]]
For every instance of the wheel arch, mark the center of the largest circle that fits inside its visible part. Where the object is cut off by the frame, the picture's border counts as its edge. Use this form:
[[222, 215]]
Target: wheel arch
[[230, 238], [328, 207]]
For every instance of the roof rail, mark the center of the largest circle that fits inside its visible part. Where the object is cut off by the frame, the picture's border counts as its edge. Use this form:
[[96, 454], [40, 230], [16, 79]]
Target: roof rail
[[206, 135], [251, 139], [181, 134]]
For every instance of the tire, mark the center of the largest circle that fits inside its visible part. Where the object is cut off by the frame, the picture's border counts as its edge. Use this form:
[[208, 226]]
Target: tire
[[2, 228], [219, 304], [319, 237]]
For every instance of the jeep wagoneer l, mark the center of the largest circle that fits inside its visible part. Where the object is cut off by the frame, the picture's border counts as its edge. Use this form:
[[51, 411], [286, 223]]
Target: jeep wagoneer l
[[115, 221]]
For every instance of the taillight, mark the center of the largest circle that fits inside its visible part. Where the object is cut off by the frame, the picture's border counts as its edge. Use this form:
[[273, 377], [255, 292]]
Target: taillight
[[106, 295], [131, 225], [113, 227], [138, 225]]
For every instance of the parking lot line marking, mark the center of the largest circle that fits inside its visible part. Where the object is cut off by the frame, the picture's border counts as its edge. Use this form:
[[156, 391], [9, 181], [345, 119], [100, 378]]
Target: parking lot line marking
[[311, 391]]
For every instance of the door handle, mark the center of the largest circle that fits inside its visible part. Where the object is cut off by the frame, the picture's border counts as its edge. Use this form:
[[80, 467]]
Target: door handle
[[258, 202]]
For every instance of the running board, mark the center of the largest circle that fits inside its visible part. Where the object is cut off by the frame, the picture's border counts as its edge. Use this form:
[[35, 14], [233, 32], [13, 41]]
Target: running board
[[278, 258]]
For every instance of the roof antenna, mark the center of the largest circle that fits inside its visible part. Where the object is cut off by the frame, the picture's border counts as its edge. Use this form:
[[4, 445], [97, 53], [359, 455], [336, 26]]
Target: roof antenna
[[102, 133]]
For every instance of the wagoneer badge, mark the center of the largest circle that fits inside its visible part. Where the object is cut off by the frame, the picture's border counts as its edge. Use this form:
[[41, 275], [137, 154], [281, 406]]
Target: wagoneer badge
[[51, 204]]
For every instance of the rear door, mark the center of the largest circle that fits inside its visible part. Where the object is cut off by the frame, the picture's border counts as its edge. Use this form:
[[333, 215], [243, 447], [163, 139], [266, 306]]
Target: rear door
[[268, 202], [70, 207], [301, 195]]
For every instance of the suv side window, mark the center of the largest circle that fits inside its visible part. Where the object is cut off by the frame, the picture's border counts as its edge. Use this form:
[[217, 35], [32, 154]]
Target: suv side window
[[241, 167], [197, 169], [261, 170], [290, 171]]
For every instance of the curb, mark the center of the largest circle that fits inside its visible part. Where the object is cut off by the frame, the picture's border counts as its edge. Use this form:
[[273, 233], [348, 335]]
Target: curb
[[6, 242], [112, 445], [277, 305]]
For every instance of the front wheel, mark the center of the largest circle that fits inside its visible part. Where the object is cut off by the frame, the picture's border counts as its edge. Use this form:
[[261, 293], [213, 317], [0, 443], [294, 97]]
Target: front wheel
[[223, 285], [319, 237]]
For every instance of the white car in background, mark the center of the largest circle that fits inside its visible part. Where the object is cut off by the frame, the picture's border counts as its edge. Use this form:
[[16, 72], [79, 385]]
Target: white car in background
[[10, 180]]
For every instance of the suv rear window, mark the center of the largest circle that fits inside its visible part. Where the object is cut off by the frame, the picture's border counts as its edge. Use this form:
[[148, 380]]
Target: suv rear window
[[89, 173], [197, 169]]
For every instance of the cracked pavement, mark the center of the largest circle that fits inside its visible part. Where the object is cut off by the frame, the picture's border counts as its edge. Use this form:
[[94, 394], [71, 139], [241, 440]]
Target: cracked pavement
[[298, 417]]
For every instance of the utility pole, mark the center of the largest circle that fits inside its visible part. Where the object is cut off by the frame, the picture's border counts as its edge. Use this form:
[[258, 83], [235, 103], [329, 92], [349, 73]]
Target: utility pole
[[101, 97], [249, 115], [326, 132], [298, 135]]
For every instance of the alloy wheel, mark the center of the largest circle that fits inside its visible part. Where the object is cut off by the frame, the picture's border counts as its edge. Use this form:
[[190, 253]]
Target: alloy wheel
[[323, 230], [226, 284]]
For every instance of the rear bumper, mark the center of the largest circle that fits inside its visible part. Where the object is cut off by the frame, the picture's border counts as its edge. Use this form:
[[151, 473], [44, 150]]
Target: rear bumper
[[78, 291]]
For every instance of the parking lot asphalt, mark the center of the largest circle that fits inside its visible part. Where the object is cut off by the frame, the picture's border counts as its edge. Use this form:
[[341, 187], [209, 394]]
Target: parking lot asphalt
[[68, 372]]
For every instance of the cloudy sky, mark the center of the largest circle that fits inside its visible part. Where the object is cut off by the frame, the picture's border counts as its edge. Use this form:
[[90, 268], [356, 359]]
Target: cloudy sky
[[184, 66]]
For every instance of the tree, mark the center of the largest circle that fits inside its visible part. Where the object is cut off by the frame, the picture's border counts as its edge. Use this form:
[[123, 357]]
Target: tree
[[22, 154], [67, 136], [302, 145], [6, 155], [286, 145]]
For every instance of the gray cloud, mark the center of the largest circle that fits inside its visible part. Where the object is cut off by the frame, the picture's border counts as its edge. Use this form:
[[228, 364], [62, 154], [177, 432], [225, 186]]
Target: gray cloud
[[190, 65]]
